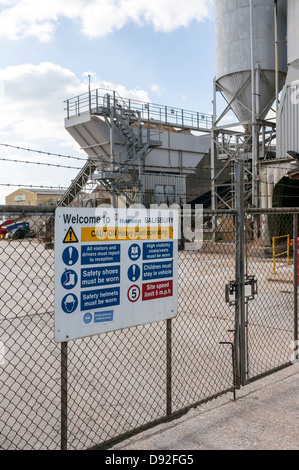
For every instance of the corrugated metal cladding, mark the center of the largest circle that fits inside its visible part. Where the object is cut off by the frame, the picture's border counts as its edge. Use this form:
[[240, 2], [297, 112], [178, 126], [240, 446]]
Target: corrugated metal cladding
[[171, 188], [288, 120], [288, 115]]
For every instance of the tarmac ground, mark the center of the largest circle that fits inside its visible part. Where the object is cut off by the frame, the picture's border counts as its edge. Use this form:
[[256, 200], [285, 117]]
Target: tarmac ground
[[264, 417]]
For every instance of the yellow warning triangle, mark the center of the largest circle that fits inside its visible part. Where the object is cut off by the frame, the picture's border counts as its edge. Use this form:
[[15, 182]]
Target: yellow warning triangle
[[70, 237]]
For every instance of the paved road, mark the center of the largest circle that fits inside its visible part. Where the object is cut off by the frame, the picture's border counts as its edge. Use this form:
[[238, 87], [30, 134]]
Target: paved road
[[264, 417]]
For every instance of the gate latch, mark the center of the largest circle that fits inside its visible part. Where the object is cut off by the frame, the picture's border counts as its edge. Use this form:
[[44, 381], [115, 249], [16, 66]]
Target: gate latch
[[250, 285]]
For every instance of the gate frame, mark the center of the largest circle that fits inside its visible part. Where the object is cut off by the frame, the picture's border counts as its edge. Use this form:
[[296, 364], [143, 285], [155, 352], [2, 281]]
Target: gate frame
[[240, 330]]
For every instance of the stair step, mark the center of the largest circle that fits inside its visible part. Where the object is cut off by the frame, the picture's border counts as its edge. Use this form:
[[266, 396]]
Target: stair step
[[155, 143], [106, 176]]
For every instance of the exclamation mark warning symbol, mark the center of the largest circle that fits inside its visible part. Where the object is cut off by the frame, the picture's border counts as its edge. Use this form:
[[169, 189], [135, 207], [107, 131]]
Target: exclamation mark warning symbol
[[71, 254], [70, 237]]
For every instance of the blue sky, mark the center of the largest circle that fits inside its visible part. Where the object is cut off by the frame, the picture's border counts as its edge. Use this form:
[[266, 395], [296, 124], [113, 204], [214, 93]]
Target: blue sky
[[155, 50]]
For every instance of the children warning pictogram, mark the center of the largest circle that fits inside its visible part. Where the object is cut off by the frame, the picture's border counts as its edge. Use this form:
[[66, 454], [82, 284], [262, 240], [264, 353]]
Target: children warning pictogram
[[70, 237]]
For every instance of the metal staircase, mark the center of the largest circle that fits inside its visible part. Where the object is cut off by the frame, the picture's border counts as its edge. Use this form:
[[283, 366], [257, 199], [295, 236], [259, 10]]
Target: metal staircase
[[122, 176], [77, 185]]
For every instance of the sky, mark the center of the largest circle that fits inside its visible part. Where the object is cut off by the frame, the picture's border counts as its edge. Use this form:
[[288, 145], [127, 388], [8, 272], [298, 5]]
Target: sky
[[159, 51]]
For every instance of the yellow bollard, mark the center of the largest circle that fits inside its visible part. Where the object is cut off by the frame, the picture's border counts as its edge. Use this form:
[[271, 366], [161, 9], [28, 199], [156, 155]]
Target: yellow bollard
[[287, 252]]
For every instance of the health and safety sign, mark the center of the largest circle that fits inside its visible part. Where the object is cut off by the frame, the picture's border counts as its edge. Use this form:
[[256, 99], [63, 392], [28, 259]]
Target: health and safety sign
[[114, 268]]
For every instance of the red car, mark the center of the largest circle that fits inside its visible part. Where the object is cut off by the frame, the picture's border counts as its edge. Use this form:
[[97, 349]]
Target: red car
[[2, 227]]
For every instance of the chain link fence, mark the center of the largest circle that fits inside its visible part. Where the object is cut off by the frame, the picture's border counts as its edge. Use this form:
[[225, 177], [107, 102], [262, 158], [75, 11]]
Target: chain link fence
[[30, 366], [121, 382], [271, 318]]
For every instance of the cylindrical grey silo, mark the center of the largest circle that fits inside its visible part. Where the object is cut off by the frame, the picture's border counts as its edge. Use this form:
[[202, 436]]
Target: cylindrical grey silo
[[288, 114], [293, 40], [234, 62]]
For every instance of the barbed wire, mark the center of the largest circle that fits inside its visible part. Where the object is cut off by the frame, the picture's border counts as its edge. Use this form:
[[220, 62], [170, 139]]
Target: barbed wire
[[191, 191], [40, 163], [179, 174], [42, 152], [33, 186]]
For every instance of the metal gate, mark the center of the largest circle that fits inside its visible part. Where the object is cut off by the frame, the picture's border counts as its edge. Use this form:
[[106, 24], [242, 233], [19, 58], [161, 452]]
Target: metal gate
[[265, 292], [271, 316], [235, 323]]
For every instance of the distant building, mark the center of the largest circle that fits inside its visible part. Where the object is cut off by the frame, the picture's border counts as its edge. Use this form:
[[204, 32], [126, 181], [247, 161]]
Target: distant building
[[34, 197]]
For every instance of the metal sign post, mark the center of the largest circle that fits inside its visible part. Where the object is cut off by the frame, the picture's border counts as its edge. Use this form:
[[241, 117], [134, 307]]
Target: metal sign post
[[240, 346]]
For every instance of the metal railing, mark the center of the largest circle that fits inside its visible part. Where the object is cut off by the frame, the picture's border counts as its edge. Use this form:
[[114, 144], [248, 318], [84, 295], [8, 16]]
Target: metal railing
[[97, 100]]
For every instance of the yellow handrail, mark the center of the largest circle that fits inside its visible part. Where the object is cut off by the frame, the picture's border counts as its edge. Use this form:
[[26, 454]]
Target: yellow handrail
[[280, 254]]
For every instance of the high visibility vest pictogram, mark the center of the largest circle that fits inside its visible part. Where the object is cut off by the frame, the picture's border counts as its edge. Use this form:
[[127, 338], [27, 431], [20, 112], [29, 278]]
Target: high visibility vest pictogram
[[70, 237]]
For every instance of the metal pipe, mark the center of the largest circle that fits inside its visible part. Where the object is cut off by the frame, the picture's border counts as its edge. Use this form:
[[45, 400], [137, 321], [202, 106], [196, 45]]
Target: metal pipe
[[148, 124], [168, 368], [253, 124], [112, 110], [233, 364], [28, 210], [295, 250], [64, 396], [213, 156], [278, 210], [213, 161], [274, 260], [89, 94], [276, 55], [240, 276]]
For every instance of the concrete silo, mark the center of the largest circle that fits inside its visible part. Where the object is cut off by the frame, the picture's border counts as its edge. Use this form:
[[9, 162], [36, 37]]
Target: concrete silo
[[251, 69], [245, 47]]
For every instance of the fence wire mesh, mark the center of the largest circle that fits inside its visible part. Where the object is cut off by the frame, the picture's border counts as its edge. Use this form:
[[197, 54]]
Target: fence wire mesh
[[270, 316], [122, 381], [30, 366]]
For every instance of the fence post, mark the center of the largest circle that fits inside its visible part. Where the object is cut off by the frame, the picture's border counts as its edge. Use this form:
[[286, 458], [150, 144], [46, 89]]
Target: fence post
[[240, 343], [295, 251], [168, 368], [64, 396]]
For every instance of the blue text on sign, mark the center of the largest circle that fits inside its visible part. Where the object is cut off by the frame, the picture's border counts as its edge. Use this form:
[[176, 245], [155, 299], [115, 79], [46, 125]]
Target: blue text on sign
[[159, 270], [159, 250], [100, 254], [100, 298], [100, 276]]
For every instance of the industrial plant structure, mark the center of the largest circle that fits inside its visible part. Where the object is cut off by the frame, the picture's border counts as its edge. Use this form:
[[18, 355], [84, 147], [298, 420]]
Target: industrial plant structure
[[139, 152], [146, 153], [256, 59]]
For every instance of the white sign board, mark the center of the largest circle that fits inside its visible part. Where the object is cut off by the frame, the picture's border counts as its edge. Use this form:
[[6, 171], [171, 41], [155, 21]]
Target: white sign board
[[113, 269]]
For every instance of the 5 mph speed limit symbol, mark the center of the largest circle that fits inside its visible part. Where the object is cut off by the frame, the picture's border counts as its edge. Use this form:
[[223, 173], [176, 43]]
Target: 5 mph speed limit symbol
[[133, 293]]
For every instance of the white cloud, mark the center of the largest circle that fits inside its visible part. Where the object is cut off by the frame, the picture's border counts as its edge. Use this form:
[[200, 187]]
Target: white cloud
[[32, 99], [32, 116], [167, 15], [157, 89], [36, 18], [40, 18]]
